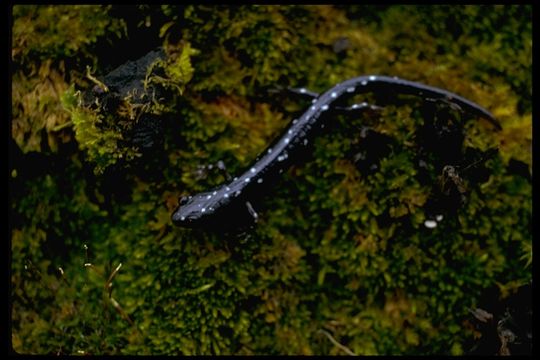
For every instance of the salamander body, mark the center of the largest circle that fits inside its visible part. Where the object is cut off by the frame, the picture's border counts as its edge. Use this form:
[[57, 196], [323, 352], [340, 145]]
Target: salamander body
[[223, 202]]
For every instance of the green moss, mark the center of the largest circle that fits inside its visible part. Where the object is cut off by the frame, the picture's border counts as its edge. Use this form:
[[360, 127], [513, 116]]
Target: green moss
[[101, 142], [177, 67], [339, 247], [71, 33], [44, 39]]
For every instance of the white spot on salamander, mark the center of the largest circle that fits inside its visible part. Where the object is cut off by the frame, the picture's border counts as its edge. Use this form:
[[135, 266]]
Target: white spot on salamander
[[270, 150], [203, 210], [237, 193], [324, 107], [227, 188], [214, 193], [247, 179], [305, 142], [280, 158], [226, 195], [289, 132], [286, 140], [208, 196], [313, 101], [334, 95], [430, 224], [372, 78], [313, 108], [253, 170], [364, 83], [439, 217], [295, 121], [182, 218], [302, 90], [260, 180], [350, 89], [355, 106]]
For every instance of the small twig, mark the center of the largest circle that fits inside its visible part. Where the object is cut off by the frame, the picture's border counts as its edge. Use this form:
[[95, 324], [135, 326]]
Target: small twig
[[198, 290], [113, 274], [91, 266], [122, 313], [61, 271], [108, 284], [101, 85], [86, 255], [108, 289], [62, 126], [481, 314], [336, 343], [489, 153]]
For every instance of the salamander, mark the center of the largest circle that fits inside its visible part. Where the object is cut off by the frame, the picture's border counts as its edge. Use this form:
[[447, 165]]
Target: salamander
[[225, 202]]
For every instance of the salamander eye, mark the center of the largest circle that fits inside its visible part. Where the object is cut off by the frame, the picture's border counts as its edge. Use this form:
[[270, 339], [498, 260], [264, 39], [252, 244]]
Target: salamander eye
[[183, 200]]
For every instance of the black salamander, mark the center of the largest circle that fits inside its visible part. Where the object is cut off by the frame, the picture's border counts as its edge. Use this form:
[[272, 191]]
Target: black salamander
[[225, 203]]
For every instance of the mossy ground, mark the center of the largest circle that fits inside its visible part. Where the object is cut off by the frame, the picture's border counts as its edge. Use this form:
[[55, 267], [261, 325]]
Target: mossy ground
[[340, 249]]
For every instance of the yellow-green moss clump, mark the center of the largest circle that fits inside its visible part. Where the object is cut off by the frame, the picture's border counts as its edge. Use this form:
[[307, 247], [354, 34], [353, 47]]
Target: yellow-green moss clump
[[340, 254], [46, 40]]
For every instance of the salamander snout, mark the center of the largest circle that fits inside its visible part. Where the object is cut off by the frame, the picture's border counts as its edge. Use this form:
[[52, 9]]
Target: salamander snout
[[182, 215]]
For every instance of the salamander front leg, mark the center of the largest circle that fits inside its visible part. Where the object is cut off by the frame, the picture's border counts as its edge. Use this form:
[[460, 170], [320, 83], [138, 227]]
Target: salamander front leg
[[304, 93], [252, 211]]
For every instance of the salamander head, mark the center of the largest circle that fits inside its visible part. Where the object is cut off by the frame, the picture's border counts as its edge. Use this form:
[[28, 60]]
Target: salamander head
[[194, 210]]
